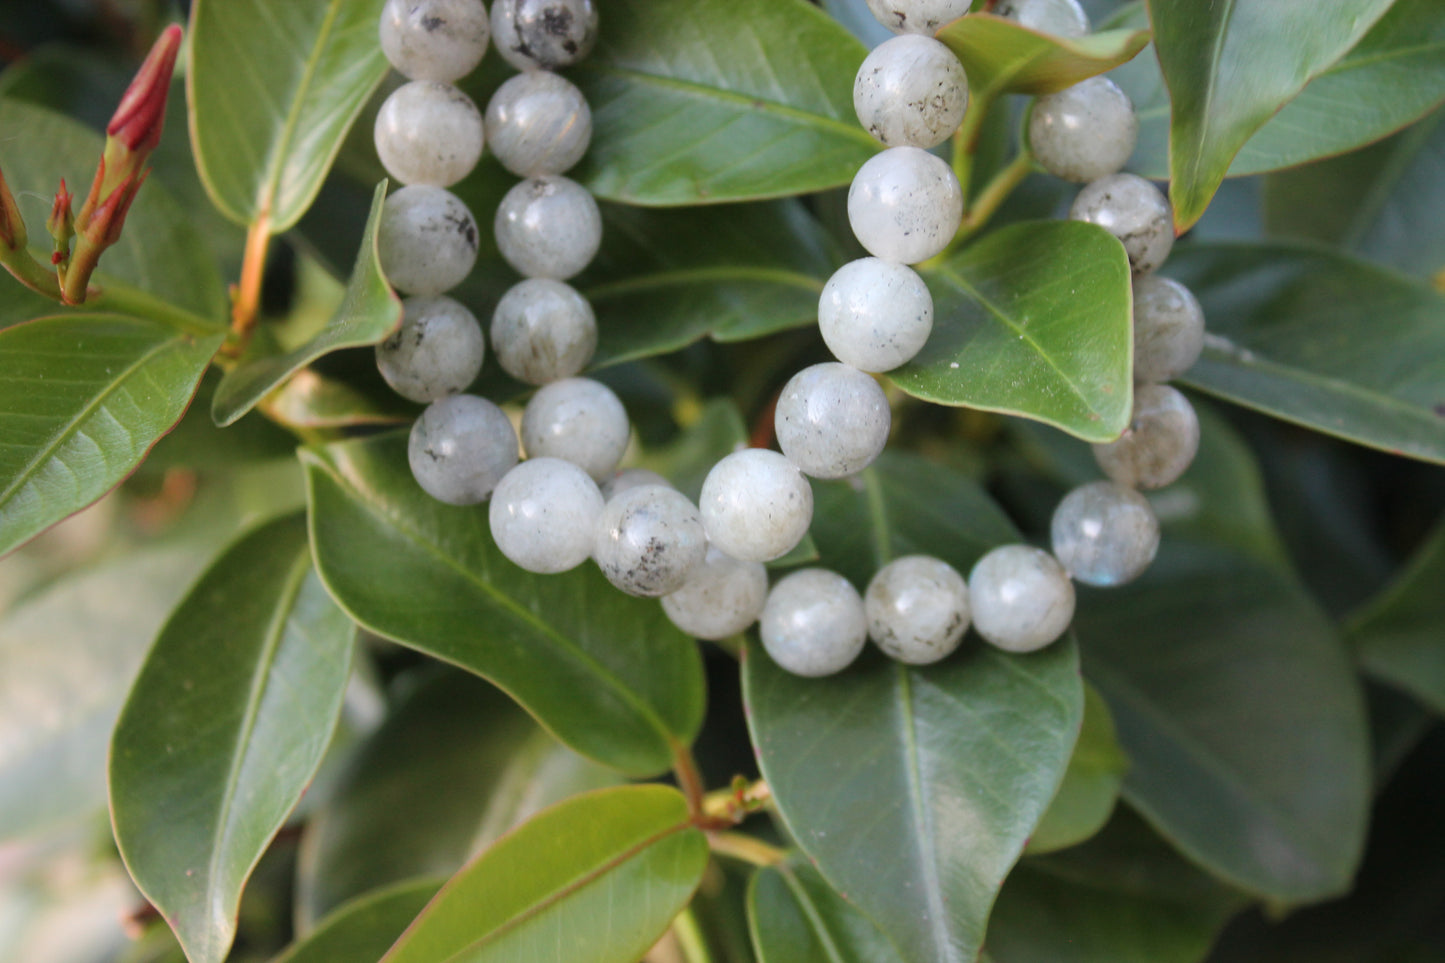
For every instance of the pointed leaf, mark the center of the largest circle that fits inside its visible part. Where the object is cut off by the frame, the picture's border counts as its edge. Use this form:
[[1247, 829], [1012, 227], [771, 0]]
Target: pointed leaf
[[1034, 320], [223, 729], [1001, 56], [606, 673], [66, 441], [914, 789], [796, 917], [1091, 783], [599, 876], [1399, 638], [369, 313], [362, 930]]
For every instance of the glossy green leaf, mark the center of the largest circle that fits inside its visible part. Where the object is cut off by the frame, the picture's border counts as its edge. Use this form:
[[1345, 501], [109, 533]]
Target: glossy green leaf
[[368, 313], [1001, 56], [705, 101], [1034, 320], [308, 400], [1229, 66], [608, 674], [597, 877], [1241, 716], [273, 87], [1400, 637], [66, 441], [914, 789], [1091, 783], [796, 917], [362, 930], [1321, 340], [223, 729]]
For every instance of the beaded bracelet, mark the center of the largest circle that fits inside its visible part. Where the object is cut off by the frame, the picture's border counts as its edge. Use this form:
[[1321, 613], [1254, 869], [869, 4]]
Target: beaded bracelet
[[567, 502]]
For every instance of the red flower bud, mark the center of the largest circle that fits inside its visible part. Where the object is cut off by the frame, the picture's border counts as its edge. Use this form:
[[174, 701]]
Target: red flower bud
[[12, 226], [142, 112]]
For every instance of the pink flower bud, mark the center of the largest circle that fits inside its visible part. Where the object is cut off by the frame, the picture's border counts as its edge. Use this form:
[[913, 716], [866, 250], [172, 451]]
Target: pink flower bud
[[142, 112]]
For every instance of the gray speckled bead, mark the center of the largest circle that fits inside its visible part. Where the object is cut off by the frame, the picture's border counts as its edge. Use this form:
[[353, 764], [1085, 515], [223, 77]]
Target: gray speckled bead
[[548, 227], [756, 506], [910, 90], [440, 40], [832, 420], [875, 315], [905, 205], [428, 133], [543, 331], [1104, 534], [427, 240], [1022, 598], [722, 597], [621, 481], [917, 16], [917, 608], [543, 33], [1062, 18], [1159, 444], [437, 351], [1084, 132], [1134, 211], [538, 123], [579, 420], [813, 623], [1168, 328], [649, 541], [544, 515], [460, 448]]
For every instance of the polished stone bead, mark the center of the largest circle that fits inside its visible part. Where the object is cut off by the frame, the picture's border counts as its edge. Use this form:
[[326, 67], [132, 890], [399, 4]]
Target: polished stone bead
[[543, 331], [548, 227], [1104, 534], [1062, 18], [917, 16], [579, 420], [428, 133], [911, 90], [756, 506], [544, 515], [722, 597], [437, 351], [427, 240], [437, 40], [917, 608], [831, 420], [649, 540], [1134, 211], [1168, 328], [905, 205], [1084, 132], [1159, 444], [875, 315], [813, 623], [460, 448], [1022, 598], [543, 33], [538, 123]]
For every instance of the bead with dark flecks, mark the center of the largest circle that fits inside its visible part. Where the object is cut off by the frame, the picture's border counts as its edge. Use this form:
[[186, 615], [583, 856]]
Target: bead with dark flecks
[[579, 420], [649, 541], [548, 227], [1159, 444], [460, 448], [538, 123], [1084, 132], [428, 133], [440, 40], [427, 240], [1168, 328], [543, 331], [1134, 211], [437, 351], [543, 33], [911, 90]]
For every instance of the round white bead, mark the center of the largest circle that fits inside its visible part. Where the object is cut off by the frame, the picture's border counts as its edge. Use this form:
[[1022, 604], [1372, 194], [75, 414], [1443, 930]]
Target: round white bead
[[649, 540], [427, 240], [579, 420], [544, 515], [905, 205], [548, 227], [875, 315], [1133, 210], [832, 420], [917, 608], [543, 331], [621, 481], [1168, 328], [1022, 598], [917, 16], [1159, 444], [1062, 18], [910, 90], [439, 40], [813, 623], [538, 123], [437, 351], [1104, 534], [1084, 132], [756, 506], [722, 597], [460, 448], [543, 33], [428, 133]]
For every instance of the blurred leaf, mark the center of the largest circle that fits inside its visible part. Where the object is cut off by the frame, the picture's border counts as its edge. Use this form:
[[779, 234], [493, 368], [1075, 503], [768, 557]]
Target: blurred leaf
[[602, 875], [796, 917], [1400, 636], [369, 312], [606, 673], [273, 87], [224, 726], [1322, 340], [1001, 56], [728, 100], [83, 398], [1032, 321], [362, 930], [915, 789], [1086, 798], [308, 400]]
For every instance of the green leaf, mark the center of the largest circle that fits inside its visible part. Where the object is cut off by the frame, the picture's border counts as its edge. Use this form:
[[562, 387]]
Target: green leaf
[[1230, 65], [1091, 783], [914, 789], [1398, 637], [796, 917], [273, 87], [607, 674], [1321, 340], [1241, 716], [308, 400], [1034, 320], [362, 930], [368, 313], [66, 441], [223, 729], [705, 101], [602, 875], [1001, 56]]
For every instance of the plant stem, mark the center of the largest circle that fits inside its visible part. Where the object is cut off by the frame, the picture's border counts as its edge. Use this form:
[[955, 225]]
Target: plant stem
[[746, 848], [986, 204], [965, 139], [690, 938], [30, 272], [689, 780], [112, 295], [246, 300]]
